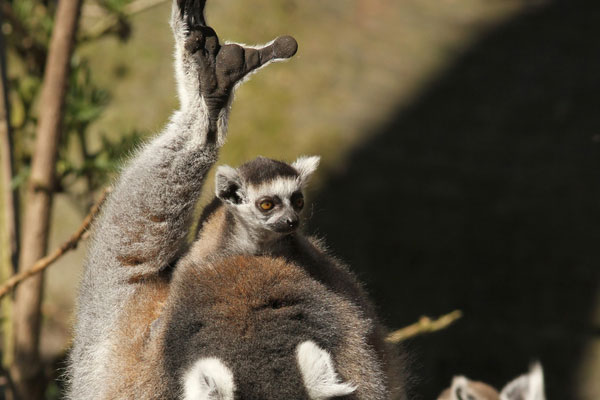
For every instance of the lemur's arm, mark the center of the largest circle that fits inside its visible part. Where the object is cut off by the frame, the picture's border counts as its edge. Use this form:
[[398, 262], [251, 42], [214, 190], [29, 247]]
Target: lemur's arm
[[146, 220]]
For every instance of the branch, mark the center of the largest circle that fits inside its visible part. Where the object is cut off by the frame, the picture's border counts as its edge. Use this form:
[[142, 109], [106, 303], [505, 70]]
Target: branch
[[424, 325], [70, 244], [106, 24]]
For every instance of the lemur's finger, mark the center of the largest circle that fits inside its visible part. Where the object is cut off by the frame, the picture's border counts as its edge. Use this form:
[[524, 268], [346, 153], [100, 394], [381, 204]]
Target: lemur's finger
[[283, 47], [193, 11], [234, 61]]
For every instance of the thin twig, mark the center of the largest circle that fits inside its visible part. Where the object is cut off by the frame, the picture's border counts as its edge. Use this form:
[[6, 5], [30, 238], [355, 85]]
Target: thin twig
[[424, 325], [45, 262]]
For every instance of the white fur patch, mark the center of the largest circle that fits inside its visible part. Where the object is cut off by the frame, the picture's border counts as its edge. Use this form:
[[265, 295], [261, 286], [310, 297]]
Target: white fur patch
[[305, 166], [208, 379], [282, 187], [460, 384], [529, 386], [320, 379]]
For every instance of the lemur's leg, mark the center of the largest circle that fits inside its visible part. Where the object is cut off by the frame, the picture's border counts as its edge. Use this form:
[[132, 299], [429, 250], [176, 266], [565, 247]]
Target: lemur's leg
[[202, 63], [145, 221]]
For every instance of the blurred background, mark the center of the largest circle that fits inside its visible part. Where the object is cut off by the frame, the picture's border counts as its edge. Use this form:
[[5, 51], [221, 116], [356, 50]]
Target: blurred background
[[460, 144]]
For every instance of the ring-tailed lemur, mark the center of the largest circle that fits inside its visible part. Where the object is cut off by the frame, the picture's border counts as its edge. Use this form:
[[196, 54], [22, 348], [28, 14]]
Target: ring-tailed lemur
[[257, 210], [529, 386], [243, 327]]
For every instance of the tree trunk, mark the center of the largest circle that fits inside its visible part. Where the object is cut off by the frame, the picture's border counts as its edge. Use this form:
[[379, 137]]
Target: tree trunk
[[9, 218], [11, 211], [27, 368]]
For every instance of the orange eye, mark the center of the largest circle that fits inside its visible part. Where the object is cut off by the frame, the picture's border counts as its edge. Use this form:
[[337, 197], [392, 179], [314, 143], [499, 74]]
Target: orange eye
[[299, 202], [266, 205]]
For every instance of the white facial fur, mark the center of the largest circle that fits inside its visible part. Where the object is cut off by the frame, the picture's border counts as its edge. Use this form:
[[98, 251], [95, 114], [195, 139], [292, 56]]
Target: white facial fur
[[529, 386], [208, 379], [319, 376], [257, 227], [280, 187]]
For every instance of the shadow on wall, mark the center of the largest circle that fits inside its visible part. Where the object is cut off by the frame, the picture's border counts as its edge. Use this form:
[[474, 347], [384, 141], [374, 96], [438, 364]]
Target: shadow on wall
[[484, 195]]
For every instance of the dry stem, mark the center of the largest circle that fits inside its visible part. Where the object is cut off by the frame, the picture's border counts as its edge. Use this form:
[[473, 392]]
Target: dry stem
[[424, 325]]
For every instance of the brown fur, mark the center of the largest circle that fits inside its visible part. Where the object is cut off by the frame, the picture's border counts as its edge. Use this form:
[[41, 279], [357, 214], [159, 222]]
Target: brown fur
[[134, 352], [240, 295]]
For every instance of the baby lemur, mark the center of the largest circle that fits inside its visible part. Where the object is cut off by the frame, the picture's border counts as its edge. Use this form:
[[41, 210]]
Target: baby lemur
[[257, 211], [230, 327]]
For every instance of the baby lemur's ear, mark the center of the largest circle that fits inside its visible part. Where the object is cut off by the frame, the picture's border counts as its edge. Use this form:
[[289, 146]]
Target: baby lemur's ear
[[229, 186], [305, 166]]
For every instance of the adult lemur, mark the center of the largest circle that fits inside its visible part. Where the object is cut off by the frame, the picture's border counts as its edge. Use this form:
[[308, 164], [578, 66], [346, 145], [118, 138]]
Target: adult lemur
[[223, 327]]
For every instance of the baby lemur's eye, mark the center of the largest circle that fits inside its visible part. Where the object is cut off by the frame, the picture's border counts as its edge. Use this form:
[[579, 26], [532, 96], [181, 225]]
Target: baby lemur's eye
[[266, 205], [297, 200]]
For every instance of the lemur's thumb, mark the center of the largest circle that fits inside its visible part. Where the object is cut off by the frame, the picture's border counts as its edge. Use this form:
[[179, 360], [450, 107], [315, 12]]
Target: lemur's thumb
[[281, 48]]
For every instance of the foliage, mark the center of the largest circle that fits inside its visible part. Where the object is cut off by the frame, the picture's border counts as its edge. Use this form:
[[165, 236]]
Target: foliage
[[27, 26]]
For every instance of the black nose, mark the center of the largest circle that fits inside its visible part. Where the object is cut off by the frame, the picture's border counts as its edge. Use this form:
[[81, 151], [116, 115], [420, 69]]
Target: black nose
[[292, 223]]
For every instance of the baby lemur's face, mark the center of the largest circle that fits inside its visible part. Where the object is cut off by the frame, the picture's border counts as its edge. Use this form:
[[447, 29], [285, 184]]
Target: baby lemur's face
[[266, 195]]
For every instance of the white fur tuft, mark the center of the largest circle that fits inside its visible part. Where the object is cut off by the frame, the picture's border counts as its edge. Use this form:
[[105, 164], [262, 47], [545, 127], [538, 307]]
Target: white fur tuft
[[305, 166], [282, 187], [529, 386], [460, 384], [208, 379], [320, 379]]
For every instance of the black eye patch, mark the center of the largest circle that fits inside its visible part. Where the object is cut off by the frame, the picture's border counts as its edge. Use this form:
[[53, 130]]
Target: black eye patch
[[297, 200]]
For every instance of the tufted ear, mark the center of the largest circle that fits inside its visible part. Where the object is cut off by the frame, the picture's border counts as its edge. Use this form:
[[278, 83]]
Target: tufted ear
[[306, 166], [229, 186], [320, 379], [529, 386], [208, 379]]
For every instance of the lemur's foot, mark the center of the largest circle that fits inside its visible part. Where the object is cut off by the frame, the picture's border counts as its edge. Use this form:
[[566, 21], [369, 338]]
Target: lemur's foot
[[221, 67]]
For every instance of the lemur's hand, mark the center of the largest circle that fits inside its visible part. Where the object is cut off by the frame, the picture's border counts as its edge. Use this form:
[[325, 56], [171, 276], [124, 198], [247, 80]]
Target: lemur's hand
[[220, 67]]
